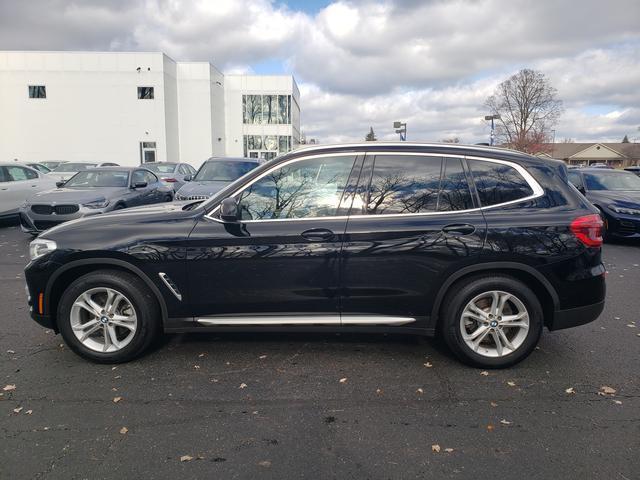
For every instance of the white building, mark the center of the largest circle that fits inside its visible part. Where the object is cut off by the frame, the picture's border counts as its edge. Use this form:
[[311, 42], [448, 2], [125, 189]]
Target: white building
[[135, 107]]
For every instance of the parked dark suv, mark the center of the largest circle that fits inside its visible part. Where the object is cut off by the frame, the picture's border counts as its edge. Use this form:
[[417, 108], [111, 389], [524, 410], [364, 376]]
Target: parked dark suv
[[482, 246]]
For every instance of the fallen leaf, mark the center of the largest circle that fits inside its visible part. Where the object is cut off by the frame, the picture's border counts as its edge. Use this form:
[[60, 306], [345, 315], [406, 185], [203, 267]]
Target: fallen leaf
[[10, 351], [116, 399], [114, 389], [113, 368], [428, 364], [435, 448], [607, 390], [448, 450], [505, 422], [201, 355], [262, 357], [243, 385], [9, 388], [378, 391], [617, 402], [420, 391], [118, 376], [343, 380], [29, 412], [490, 428], [631, 325], [124, 430], [494, 404], [616, 318], [186, 458], [570, 391], [17, 410], [511, 383], [197, 367], [484, 373], [264, 463]]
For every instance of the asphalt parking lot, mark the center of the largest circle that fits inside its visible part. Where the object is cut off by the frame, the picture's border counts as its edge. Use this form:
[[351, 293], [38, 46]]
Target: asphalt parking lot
[[321, 406]]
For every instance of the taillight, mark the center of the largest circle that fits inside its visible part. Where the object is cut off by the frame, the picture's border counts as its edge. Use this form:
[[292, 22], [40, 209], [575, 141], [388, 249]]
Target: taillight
[[169, 180], [588, 229]]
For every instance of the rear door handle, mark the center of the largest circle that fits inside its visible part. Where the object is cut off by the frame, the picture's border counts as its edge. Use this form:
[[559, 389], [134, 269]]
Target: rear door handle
[[459, 229], [318, 234]]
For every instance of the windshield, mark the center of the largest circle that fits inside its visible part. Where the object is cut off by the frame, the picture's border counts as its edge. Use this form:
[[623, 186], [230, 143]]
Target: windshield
[[99, 178], [40, 168], [221, 171], [161, 167], [622, 181], [73, 167]]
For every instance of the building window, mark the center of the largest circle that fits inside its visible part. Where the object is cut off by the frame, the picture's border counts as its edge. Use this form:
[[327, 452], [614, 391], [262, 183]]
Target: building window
[[145, 93], [37, 91], [266, 109], [147, 152], [266, 146]]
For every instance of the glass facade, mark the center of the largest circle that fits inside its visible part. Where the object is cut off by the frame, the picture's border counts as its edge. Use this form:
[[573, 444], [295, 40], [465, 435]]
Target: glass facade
[[266, 146], [266, 109]]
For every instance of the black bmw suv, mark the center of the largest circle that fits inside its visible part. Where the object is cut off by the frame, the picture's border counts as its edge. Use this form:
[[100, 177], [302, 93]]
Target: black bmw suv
[[482, 246]]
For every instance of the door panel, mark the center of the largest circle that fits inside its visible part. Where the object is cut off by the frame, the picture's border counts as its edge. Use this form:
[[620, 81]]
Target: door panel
[[394, 261], [281, 257]]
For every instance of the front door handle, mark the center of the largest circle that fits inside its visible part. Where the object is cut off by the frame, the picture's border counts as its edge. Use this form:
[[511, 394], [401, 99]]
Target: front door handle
[[318, 234], [459, 229]]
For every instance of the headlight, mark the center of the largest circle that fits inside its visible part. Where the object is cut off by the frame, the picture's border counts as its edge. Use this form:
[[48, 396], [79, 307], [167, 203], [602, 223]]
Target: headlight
[[96, 204], [40, 247], [627, 211]]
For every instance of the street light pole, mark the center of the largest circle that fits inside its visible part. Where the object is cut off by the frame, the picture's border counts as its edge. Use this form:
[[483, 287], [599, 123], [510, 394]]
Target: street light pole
[[492, 118], [401, 128]]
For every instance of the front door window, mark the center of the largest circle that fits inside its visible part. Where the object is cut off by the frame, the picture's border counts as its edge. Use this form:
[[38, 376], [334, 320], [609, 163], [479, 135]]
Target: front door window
[[302, 189]]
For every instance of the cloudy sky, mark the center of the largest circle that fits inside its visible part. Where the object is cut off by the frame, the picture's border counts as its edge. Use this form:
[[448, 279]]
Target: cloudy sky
[[367, 63]]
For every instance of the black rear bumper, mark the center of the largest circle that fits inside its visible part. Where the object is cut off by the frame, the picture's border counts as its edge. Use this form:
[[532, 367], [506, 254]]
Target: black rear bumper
[[573, 317]]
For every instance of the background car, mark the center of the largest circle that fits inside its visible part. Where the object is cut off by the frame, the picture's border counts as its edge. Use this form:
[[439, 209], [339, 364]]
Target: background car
[[66, 170], [634, 170], [90, 192], [17, 183], [171, 173], [39, 167], [213, 175], [616, 193], [51, 164]]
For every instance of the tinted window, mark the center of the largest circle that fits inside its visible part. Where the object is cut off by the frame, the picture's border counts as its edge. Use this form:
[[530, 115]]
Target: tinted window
[[138, 177], [98, 178], [3, 175], [150, 178], [183, 170], [454, 187], [20, 173], [223, 171], [404, 184], [304, 189], [623, 181], [574, 178], [161, 167], [498, 183]]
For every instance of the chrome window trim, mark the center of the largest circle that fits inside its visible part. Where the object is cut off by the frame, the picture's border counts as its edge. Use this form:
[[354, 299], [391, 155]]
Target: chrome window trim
[[537, 189]]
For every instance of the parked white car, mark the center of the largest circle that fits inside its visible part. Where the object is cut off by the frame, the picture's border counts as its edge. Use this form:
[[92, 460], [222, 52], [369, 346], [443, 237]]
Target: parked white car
[[18, 183], [66, 170]]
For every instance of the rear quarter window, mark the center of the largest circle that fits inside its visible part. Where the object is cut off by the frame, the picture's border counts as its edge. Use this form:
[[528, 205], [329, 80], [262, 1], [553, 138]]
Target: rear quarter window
[[498, 183]]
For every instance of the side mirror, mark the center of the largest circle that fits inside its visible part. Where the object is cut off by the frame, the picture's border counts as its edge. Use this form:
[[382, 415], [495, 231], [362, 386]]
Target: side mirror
[[139, 184], [60, 183], [187, 178], [229, 210]]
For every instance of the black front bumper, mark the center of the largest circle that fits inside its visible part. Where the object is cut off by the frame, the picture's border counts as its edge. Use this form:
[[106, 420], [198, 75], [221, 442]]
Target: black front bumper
[[573, 317]]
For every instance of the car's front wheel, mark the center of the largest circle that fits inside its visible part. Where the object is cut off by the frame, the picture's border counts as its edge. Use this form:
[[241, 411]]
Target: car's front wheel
[[492, 321], [108, 316]]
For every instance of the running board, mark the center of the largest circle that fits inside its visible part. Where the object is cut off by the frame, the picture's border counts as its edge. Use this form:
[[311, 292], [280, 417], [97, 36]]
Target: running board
[[306, 320]]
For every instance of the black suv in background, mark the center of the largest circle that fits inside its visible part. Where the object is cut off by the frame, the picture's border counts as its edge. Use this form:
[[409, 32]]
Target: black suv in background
[[482, 246]]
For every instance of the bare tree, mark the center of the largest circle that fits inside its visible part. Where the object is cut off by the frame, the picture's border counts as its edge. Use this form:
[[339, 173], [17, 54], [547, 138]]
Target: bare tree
[[528, 107]]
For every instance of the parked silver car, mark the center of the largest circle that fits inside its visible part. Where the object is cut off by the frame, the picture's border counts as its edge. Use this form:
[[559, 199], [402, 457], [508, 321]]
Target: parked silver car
[[17, 183], [213, 175], [92, 192], [171, 173], [66, 170]]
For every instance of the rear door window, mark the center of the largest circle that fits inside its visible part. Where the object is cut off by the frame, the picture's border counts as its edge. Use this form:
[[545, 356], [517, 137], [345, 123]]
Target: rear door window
[[498, 183]]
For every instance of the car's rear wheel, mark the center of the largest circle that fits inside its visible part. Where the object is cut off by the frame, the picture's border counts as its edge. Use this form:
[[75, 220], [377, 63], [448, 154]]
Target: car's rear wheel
[[492, 321], [108, 316]]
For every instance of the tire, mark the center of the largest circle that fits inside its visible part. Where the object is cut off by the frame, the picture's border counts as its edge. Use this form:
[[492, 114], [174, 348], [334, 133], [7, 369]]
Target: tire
[[137, 310], [478, 289]]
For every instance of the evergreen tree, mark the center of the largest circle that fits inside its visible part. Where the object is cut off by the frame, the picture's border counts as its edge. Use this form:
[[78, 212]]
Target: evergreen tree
[[371, 136], [625, 139]]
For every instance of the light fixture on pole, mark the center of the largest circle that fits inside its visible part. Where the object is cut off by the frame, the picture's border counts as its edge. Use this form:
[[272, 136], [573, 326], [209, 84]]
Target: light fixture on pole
[[492, 118], [401, 128]]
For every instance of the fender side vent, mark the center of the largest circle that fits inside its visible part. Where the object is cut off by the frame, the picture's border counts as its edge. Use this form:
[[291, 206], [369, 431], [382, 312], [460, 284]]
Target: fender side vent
[[170, 285]]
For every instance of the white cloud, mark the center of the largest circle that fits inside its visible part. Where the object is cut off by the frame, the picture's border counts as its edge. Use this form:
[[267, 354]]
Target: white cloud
[[364, 63]]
